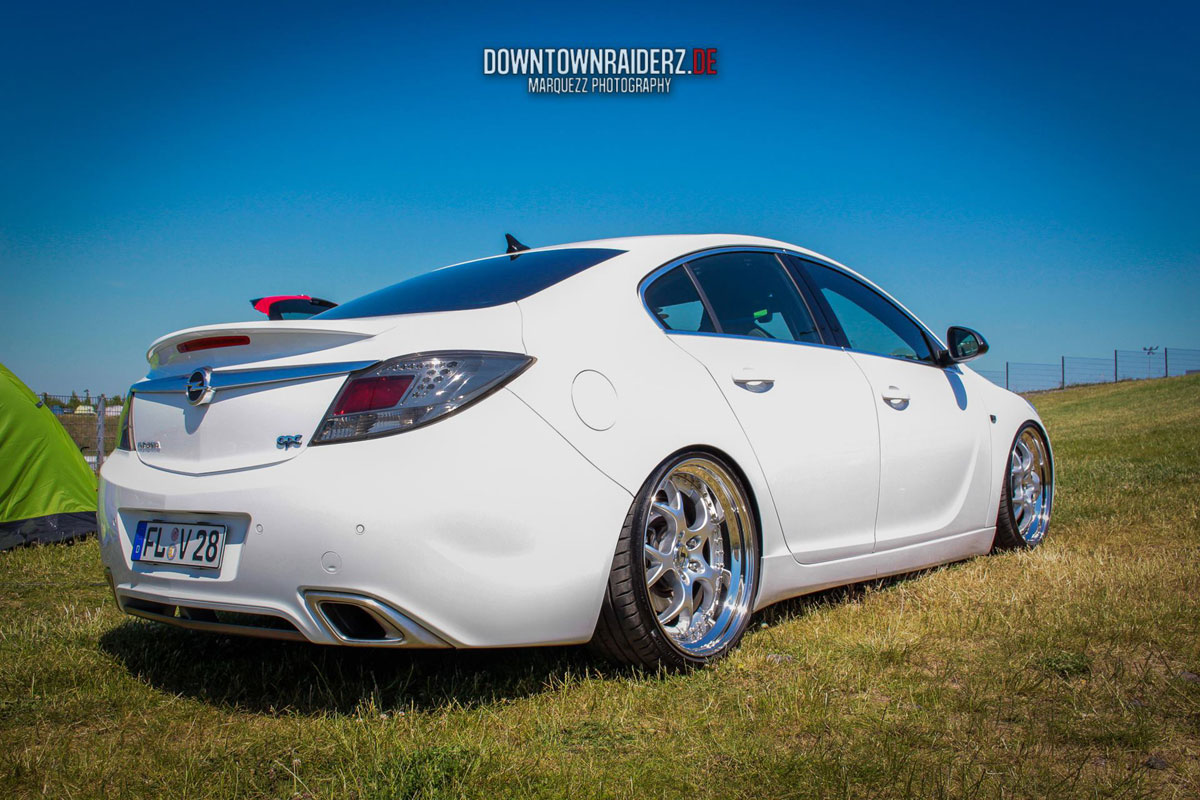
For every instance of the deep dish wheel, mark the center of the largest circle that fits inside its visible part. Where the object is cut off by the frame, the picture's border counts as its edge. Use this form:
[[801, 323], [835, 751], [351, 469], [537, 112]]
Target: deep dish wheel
[[685, 571], [1025, 503]]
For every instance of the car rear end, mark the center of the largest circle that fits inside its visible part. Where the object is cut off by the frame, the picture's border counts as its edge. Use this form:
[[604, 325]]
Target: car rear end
[[360, 481]]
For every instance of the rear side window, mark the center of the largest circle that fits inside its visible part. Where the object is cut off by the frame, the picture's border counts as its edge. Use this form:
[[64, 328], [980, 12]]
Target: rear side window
[[476, 284], [674, 300], [871, 322], [752, 295]]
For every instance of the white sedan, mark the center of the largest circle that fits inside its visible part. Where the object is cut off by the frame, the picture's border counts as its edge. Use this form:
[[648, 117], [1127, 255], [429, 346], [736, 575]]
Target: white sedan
[[634, 442]]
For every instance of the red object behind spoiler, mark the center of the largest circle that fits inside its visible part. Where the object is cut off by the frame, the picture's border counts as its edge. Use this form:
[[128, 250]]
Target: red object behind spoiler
[[264, 304]]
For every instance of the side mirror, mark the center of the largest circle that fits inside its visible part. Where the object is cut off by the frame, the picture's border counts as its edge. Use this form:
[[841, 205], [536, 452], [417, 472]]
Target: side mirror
[[964, 344]]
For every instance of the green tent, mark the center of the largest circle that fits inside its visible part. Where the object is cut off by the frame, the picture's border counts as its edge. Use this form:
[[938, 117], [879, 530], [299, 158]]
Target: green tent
[[47, 490]]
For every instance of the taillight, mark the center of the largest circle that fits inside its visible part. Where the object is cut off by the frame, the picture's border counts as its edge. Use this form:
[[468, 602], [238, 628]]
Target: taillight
[[125, 440], [408, 392]]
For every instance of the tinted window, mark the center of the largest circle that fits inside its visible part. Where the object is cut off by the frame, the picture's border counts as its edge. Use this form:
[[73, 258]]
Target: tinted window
[[488, 282], [870, 321], [674, 300], [752, 296]]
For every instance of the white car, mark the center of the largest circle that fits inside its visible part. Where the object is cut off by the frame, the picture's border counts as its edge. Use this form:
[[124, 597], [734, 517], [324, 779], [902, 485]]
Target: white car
[[635, 442]]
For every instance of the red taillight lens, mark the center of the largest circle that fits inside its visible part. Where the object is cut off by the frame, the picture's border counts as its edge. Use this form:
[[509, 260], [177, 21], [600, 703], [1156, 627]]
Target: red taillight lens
[[372, 394], [212, 342]]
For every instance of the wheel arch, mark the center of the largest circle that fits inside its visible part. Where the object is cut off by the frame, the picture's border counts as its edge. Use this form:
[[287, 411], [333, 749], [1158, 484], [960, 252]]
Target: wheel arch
[[1009, 413]]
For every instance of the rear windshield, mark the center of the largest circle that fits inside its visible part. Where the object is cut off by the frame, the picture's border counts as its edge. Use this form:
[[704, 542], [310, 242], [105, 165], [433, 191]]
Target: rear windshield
[[477, 284]]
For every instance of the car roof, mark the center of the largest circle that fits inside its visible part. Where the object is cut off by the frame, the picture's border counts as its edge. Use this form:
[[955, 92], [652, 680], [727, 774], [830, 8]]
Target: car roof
[[655, 250], [642, 253], [660, 248], [677, 245]]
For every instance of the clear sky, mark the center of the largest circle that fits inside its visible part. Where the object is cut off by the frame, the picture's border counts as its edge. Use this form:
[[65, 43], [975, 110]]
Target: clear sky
[[1032, 170]]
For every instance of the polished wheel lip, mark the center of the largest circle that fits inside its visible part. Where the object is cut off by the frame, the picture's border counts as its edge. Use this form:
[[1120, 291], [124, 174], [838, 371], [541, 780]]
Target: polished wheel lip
[[1030, 486], [700, 556]]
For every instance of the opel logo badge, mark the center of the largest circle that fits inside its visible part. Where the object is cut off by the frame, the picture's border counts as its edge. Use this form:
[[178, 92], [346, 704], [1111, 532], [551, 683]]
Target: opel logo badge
[[199, 386]]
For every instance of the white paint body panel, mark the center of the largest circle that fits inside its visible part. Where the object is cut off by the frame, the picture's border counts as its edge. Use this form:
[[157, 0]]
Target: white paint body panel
[[814, 434], [934, 449], [496, 526]]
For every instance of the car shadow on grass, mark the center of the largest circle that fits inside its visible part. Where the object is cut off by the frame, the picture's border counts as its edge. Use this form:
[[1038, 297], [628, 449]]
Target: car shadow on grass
[[268, 676], [848, 594]]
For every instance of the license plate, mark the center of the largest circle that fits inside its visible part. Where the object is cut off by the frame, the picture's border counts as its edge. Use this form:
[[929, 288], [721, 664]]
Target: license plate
[[179, 543]]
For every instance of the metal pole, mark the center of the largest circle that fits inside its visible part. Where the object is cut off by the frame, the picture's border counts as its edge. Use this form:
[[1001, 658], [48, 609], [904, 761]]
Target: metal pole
[[1005, 374], [1114, 366], [1064, 373], [1166, 362], [100, 414]]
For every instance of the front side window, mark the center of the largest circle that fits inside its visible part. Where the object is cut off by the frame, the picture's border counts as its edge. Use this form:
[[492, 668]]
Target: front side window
[[751, 295], [673, 299], [871, 322]]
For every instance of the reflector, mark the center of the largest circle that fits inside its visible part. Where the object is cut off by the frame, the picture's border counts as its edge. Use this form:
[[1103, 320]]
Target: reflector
[[371, 394]]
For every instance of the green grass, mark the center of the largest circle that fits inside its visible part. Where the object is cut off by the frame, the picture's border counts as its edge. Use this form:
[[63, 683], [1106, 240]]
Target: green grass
[[1065, 672]]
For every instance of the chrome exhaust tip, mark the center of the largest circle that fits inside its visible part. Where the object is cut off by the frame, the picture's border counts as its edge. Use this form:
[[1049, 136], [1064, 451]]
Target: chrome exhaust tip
[[362, 621]]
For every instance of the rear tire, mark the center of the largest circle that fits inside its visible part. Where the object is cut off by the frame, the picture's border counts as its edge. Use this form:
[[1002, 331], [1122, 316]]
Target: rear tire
[[685, 571], [1028, 494]]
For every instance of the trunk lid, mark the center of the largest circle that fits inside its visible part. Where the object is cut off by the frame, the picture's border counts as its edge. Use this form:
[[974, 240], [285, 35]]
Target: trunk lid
[[271, 382]]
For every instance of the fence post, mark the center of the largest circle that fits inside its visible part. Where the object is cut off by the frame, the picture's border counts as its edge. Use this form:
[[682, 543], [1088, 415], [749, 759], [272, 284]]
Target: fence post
[[1005, 374], [1166, 362], [1064, 373], [100, 414], [1115, 366]]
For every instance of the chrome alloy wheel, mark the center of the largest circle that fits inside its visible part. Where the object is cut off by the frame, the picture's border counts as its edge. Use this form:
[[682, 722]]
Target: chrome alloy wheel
[[701, 556], [1030, 485]]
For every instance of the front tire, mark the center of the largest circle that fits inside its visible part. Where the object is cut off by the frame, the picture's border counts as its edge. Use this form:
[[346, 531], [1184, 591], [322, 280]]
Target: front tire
[[1028, 494], [685, 570]]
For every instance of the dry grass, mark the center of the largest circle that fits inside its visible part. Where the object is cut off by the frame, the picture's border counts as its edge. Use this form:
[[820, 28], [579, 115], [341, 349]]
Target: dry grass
[[1066, 672]]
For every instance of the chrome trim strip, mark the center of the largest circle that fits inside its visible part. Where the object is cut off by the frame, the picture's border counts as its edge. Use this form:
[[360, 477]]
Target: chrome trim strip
[[755, 339], [237, 379], [176, 383]]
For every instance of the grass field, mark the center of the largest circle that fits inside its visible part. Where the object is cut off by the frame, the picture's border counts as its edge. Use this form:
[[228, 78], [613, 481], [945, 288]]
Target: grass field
[[1070, 671]]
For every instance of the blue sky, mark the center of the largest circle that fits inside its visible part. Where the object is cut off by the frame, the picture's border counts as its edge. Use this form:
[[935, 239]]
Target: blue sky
[[1031, 171]]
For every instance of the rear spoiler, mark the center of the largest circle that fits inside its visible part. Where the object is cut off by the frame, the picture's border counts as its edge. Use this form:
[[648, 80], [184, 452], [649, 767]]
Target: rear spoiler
[[264, 339]]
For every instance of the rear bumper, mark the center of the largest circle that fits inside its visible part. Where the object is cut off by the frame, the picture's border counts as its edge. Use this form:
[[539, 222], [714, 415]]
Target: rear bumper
[[484, 530]]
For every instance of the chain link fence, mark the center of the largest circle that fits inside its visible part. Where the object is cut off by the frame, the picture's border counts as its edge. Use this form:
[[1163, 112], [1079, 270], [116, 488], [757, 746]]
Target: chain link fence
[[93, 421], [1124, 365]]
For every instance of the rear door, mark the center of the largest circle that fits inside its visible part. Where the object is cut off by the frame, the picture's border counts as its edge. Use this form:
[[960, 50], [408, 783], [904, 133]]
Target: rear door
[[805, 407], [933, 436]]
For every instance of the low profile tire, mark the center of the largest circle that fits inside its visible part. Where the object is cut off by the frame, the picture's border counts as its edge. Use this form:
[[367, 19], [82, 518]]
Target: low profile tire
[[1028, 494], [686, 567]]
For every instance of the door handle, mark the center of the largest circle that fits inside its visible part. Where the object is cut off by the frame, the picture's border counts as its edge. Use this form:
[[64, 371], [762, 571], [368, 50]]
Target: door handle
[[896, 397], [752, 380]]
